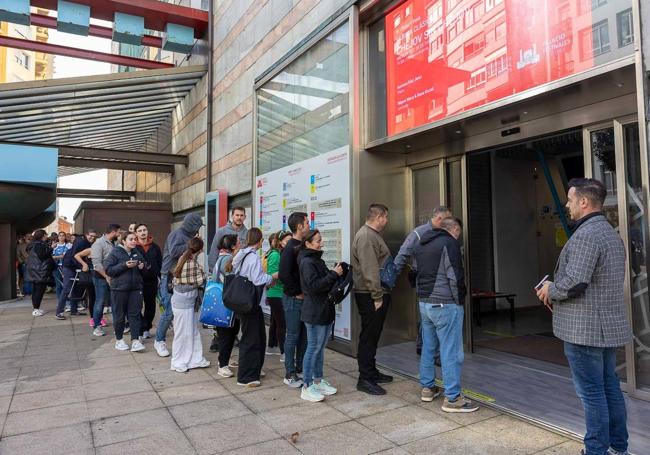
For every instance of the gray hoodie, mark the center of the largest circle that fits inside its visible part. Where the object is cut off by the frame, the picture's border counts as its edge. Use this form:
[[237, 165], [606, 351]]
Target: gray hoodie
[[176, 242], [226, 229]]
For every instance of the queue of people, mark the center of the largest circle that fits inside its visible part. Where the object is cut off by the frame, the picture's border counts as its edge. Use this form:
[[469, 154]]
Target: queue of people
[[586, 298]]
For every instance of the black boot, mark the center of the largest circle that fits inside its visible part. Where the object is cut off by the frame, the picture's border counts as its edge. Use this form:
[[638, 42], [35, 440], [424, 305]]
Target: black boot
[[381, 378]]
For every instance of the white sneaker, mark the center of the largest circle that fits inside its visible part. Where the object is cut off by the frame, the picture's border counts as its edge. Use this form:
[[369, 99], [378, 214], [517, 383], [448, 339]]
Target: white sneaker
[[38, 312], [179, 369], [233, 363], [121, 345], [127, 329], [225, 372], [106, 310], [282, 358], [273, 351], [325, 388], [311, 393], [161, 348], [99, 332], [262, 373], [205, 363], [137, 346], [146, 334]]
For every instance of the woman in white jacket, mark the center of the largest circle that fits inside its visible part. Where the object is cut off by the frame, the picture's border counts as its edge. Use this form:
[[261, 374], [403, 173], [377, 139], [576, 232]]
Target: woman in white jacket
[[252, 345]]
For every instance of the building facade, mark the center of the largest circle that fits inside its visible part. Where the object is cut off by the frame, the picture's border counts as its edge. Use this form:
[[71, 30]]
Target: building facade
[[487, 106]]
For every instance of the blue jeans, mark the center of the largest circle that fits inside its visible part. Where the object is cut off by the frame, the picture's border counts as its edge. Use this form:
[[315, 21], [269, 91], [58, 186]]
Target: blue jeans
[[442, 328], [597, 385], [167, 316], [69, 286], [27, 285], [317, 336], [295, 343], [102, 294]]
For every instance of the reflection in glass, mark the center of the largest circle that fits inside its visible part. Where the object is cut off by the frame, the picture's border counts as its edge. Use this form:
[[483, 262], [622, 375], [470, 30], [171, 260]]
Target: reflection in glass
[[444, 57], [603, 154], [426, 189], [637, 208], [455, 189], [303, 111]]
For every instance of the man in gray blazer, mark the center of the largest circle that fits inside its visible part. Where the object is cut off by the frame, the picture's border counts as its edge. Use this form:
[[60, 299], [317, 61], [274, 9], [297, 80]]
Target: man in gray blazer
[[589, 315]]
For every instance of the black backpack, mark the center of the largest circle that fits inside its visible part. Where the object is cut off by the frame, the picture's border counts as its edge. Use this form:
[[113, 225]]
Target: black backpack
[[342, 287]]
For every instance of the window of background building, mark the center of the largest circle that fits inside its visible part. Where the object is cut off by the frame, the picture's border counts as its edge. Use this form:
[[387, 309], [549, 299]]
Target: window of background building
[[624, 27], [600, 37], [303, 111]]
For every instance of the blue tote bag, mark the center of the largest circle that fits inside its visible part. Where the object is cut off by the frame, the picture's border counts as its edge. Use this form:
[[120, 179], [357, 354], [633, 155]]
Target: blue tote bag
[[213, 312]]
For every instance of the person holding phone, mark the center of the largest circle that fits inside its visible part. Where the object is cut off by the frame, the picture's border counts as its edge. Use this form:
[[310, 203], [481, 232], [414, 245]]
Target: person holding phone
[[124, 266], [318, 314]]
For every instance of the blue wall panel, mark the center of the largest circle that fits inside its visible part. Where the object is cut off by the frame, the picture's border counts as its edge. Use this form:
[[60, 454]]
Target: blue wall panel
[[31, 165]]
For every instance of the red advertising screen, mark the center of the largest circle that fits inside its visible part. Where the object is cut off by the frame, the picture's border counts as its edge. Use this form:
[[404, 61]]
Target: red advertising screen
[[444, 57]]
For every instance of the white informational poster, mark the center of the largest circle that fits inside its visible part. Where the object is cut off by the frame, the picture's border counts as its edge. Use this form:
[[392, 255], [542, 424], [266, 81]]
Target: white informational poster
[[319, 186]]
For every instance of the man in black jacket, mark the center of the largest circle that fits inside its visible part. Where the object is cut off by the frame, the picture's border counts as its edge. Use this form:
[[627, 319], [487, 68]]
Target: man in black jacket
[[153, 260], [295, 342], [441, 293]]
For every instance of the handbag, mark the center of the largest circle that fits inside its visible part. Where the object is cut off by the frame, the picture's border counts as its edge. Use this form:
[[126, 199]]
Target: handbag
[[387, 273], [239, 293]]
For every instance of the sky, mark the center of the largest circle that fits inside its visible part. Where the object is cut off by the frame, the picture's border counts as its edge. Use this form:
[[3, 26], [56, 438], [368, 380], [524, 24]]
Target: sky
[[73, 67]]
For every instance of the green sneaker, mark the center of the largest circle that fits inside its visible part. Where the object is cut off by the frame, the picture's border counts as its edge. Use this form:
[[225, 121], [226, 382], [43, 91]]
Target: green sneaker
[[311, 393], [326, 388]]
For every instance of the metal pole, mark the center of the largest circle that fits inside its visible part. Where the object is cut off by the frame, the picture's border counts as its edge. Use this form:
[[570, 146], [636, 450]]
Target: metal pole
[[208, 153]]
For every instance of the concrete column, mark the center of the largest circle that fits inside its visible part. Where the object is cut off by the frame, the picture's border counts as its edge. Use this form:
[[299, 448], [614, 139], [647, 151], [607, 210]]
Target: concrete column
[[642, 46], [7, 262]]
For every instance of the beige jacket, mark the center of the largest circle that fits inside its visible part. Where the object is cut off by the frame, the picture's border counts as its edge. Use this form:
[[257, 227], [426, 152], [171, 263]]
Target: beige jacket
[[369, 251]]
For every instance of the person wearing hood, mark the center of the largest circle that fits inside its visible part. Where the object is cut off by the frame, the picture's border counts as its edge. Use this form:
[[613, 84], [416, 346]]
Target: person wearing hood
[[234, 226], [252, 345], [441, 291], [174, 247], [124, 265], [38, 271], [318, 314], [153, 260]]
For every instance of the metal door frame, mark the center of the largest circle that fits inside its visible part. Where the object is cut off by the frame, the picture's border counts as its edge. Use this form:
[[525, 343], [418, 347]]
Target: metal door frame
[[630, 386]]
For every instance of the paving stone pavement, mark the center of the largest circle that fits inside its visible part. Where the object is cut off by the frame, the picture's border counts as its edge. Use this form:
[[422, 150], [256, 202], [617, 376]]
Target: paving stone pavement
[[63, 391]]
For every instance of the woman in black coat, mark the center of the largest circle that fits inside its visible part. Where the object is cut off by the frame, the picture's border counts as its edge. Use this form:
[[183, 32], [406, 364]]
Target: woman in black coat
[[39, 269], [318, 314], [124, 266]]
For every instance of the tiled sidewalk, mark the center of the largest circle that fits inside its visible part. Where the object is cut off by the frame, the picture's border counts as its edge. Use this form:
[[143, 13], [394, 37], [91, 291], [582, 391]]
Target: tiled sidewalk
[[64, 391]]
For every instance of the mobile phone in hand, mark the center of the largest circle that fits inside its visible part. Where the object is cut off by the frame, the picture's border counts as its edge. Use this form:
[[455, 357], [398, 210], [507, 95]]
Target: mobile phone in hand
[[541, 283]]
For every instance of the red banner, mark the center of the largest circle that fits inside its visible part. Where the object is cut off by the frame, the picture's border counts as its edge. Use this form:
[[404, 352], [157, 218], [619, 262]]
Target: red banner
[[444, 57]]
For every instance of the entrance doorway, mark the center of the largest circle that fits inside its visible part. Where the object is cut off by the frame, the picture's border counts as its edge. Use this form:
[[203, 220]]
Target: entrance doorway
[[517, 228]]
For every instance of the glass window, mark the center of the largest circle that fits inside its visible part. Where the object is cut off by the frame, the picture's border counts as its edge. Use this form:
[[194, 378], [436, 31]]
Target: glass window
[[426, 191], [600, 37], [625, 28], [302, 112], [637, 209], [454, 188], [433, 55]]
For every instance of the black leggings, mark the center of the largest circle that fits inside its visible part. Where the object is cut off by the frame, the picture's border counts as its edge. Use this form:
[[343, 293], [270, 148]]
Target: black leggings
[[226, 338], [277, 327], [38, 291]]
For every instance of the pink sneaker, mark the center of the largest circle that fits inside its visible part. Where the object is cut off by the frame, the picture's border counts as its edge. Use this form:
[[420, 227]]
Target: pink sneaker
[[91, 323], [103, 322]]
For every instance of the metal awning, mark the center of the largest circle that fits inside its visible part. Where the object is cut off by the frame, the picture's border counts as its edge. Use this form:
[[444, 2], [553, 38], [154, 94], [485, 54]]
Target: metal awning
[[108, 112]]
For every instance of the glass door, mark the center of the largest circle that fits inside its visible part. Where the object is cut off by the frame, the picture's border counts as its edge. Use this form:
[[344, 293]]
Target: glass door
[[614, 155]]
